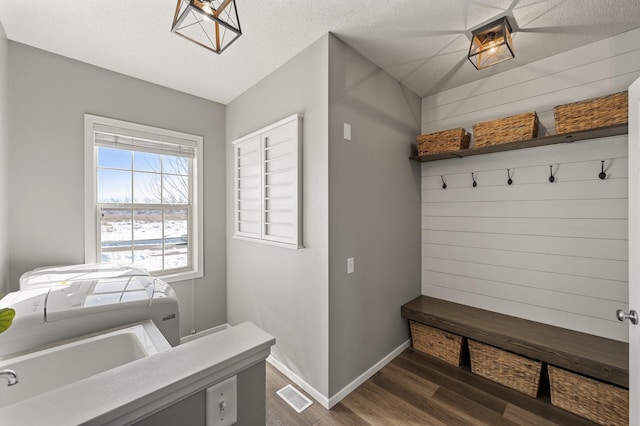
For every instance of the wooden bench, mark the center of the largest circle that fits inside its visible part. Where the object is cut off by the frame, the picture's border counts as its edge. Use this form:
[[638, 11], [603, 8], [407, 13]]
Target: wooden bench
[[586, 354]]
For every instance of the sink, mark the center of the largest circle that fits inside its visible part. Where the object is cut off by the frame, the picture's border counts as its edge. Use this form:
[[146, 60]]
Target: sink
[[57, 366]]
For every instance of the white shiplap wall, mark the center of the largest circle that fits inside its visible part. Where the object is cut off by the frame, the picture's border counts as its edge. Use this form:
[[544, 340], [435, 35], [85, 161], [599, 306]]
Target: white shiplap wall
[[601, 68], [550, 252]]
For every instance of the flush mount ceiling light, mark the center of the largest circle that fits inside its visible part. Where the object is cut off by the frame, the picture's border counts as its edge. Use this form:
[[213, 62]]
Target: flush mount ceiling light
[[491, 44], [213, 24]]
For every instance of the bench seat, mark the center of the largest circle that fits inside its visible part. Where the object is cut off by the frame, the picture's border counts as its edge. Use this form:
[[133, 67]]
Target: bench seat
[[586, 354]]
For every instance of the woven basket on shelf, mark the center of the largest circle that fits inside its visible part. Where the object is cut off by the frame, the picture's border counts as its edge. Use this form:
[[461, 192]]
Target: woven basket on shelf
[[445, 141], [514, 371], [589, 398], [592, 113], [508, 129], [437, 343]]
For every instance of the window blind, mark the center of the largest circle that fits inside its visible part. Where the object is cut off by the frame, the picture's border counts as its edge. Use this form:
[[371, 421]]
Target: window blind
[[110, 137]]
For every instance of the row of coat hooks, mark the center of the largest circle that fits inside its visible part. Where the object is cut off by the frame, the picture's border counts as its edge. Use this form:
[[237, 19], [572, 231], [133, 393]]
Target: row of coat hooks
[[602, 175]]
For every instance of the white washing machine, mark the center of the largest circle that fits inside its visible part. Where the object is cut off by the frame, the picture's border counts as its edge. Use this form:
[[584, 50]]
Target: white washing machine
[[48, 275], [78, 302]]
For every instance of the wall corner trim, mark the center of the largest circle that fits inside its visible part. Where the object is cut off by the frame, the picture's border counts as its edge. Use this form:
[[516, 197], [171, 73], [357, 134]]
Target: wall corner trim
[[341, 394], [328, 403], [315, 394]]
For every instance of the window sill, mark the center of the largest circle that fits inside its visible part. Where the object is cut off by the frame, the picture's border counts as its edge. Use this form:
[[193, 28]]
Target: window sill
[[179, 276], [289, 246]]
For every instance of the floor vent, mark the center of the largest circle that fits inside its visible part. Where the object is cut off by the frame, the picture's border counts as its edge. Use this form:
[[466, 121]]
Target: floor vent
[[294, 398]]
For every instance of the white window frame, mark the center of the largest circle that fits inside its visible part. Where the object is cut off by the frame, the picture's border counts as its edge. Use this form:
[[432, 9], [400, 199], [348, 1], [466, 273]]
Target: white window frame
[[92, 219], [259, 139]]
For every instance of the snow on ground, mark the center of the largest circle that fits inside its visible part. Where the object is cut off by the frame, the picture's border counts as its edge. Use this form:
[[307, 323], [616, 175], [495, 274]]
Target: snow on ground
[[148, 243]]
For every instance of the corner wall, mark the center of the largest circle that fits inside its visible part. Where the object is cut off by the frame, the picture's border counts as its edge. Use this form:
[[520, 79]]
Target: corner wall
[[554, 253], [48, 97], [281, 290], [374, 204], [4, 162]]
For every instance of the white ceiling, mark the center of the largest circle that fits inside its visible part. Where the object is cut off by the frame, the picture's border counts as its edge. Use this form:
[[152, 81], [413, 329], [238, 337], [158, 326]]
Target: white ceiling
[[423, 43]]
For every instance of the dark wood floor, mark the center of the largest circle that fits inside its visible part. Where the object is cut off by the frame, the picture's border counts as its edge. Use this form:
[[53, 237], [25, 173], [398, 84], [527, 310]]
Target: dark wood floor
[[417, 390]]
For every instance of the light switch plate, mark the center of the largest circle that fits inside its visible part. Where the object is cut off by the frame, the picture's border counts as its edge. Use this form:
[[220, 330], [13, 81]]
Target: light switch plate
[[347, 131], [350, 265], [222, 403]]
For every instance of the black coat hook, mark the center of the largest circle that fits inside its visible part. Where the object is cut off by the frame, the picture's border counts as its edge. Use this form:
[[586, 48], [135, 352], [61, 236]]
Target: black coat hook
[[552, 178], [444, 185], [474, 180], [509, 181], [602, 174]]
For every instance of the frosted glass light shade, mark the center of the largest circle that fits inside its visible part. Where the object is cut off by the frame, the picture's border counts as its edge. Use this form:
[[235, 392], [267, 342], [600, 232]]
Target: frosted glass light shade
[[212, 24], [491, 44]]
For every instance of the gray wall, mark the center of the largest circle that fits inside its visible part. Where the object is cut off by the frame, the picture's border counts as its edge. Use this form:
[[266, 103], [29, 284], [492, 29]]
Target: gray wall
[[285, 291], [4, 162], [374, 213], [361, 199], [48, 96]]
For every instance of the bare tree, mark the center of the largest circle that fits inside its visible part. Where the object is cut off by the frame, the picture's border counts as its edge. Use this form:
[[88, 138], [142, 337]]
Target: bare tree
[[173, 188]]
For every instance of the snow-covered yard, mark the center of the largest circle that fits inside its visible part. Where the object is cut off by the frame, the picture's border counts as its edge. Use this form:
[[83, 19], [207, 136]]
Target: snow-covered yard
[[142, 242]]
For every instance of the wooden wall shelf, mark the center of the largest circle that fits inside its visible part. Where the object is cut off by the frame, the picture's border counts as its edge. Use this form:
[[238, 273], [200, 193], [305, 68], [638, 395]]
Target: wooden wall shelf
[[603, 132]]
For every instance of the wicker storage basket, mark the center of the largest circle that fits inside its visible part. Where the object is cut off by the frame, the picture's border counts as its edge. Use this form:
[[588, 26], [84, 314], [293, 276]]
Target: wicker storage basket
[[514, 371], [445, 141], [592, 113], [437, 343], [509, 129], [589, 398]]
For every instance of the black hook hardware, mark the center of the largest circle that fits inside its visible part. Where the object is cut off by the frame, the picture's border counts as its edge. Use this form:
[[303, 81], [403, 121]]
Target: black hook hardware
[[444, 185], [509, 181], [602, 174], [552, 178], [474, 180]]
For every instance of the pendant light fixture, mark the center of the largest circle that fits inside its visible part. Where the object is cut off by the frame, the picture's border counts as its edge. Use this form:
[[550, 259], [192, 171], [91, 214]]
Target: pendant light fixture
[[491, 44], [212, 24]]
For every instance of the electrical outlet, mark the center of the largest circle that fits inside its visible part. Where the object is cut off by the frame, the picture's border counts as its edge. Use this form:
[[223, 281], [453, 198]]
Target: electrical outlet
[[350, 265], [222, 403]]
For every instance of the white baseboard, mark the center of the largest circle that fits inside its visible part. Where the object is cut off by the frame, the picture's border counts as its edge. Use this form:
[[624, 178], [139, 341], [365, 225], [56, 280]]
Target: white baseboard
[[341, 394], [202, 333], [315, 394]]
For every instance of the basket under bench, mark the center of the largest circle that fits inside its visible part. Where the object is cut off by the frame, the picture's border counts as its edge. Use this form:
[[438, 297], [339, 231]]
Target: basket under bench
[[583, 368]]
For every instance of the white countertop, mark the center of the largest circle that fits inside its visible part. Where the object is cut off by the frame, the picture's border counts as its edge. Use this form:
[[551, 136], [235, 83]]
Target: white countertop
[[133, 391]]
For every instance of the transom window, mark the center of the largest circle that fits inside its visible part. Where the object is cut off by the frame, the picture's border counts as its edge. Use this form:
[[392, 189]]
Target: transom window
[[144, 188]]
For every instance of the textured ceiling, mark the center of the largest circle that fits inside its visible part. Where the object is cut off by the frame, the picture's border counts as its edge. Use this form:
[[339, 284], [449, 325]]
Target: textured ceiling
[[423, 43]]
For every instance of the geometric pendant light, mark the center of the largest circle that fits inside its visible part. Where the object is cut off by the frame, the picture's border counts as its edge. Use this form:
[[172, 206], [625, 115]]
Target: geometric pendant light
[[491, 44], [213, 24]]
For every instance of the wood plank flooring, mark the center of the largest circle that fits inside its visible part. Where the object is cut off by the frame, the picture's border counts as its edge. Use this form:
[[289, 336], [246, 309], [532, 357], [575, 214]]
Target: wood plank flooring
[[414, 389]]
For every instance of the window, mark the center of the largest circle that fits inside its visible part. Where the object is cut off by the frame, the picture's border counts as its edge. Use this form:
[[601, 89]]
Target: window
[[143, 197], [267, 184]]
